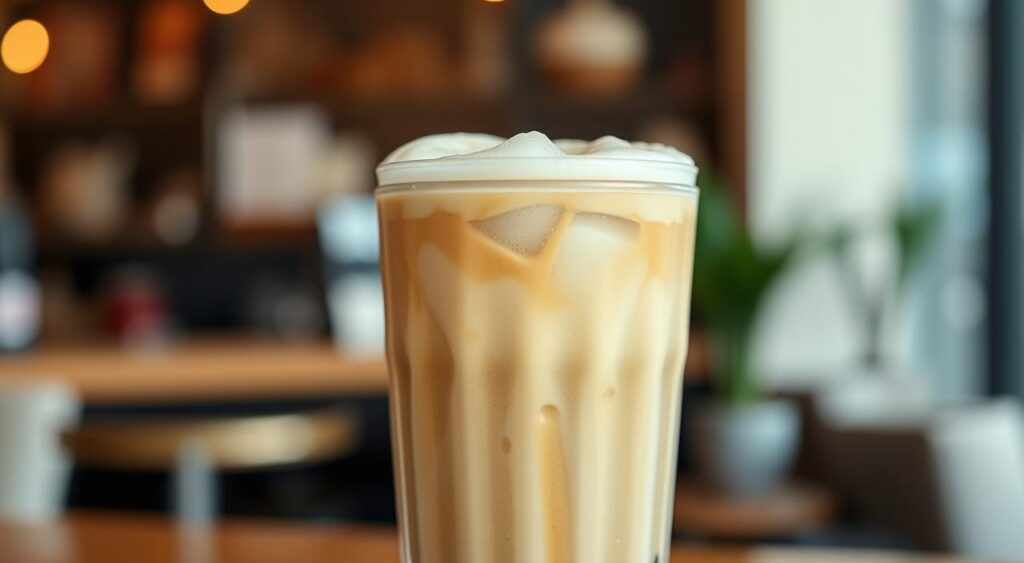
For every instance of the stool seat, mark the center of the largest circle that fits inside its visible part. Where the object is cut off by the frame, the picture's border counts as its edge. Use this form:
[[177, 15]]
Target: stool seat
[[787, 511], [247, 442]]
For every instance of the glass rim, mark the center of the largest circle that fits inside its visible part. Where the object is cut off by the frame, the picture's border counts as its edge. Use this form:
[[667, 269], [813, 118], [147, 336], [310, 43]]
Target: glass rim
[[548, 186], [582, 168]]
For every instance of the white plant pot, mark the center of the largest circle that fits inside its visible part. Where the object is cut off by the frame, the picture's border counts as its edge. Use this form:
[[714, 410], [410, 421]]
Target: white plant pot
[[746, 450]]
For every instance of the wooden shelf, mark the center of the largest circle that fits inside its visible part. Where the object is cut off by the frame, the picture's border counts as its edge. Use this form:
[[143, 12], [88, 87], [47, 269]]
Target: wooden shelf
[[62, 249], [268, 233], [651, 98], [128, 115]]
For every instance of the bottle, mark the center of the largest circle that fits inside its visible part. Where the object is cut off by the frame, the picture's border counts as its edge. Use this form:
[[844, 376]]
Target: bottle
[[20, 302]]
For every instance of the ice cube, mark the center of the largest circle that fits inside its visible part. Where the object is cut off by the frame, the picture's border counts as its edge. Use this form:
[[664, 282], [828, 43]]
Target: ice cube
[[523, 230], [594, 242], [454, 300], [609, 228]]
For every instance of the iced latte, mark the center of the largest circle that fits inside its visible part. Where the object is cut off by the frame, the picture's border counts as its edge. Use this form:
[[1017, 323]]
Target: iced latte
[[537, 308]]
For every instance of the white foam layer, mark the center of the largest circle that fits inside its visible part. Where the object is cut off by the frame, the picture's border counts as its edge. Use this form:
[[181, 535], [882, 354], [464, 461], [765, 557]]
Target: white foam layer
[[458, 157]]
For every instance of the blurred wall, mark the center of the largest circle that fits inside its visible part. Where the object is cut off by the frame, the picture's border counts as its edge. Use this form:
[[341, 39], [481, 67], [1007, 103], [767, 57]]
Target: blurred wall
[[830, 133]]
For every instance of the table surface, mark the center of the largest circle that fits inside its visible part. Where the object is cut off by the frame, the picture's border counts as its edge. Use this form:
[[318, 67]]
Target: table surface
[[218, 368], [203, 370], [123, 538]]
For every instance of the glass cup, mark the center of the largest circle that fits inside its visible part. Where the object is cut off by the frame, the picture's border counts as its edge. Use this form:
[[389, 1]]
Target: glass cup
[[536, 335]]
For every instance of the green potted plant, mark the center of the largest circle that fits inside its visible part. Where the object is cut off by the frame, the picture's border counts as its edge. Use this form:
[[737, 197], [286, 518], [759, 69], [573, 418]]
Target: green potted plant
[[881, 390], [744, 441]]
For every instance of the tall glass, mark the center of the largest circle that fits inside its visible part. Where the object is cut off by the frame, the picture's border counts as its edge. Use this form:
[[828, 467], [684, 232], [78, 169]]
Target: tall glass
[[536, 334]]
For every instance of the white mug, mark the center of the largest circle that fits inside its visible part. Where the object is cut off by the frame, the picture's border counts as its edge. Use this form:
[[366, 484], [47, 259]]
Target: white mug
[[34, 468]]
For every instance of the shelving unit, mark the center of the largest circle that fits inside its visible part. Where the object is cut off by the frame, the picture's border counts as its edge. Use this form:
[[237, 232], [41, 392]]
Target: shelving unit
[[706, 94]]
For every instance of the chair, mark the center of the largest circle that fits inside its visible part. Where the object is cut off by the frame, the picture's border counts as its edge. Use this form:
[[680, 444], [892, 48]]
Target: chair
[[978, 459]]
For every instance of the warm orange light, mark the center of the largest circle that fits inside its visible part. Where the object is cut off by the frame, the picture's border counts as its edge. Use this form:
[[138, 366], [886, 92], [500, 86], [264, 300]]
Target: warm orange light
[[226, 7], [494, 1], [25, 46]]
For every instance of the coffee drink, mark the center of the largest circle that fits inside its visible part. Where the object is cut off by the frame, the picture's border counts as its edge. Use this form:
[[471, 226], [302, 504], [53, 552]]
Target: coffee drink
[[537, 298]]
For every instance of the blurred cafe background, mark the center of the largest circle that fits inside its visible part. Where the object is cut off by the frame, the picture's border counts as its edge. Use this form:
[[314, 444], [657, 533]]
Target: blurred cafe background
[[191, 318]]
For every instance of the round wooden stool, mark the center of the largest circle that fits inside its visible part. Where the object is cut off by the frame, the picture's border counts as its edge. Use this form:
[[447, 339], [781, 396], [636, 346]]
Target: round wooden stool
[[194, 451], [246, 442]]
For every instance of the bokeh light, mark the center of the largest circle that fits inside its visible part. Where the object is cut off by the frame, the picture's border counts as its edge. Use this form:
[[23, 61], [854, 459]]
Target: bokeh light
[[25, 46], [226, 6]]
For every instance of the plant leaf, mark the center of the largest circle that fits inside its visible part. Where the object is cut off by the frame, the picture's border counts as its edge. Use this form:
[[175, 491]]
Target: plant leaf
[[915, 227], [731, 278]]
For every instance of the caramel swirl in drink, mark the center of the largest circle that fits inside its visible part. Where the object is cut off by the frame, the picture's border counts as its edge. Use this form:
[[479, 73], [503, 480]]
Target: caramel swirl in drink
[[537, 330]]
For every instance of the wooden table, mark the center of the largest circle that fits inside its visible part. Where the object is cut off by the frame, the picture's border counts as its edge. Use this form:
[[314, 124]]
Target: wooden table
[[203, 370], [211, 369], [125, 538]]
